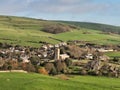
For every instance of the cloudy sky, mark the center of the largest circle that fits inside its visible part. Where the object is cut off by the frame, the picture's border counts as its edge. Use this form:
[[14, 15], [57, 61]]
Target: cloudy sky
[[100, 11]]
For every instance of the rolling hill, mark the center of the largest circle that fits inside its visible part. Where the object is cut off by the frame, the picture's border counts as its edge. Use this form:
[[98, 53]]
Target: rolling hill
[[95, 26], [29, 32]]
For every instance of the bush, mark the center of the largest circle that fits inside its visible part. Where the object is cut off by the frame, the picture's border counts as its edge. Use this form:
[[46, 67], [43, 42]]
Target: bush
[[94, 73], [34, 60], [116, 59], [50, 68], [28, 67], [83, 72], [56, 28], [68, 62], [10, 67], [53, 71], [60, 66], [75, 51], [42, 70]]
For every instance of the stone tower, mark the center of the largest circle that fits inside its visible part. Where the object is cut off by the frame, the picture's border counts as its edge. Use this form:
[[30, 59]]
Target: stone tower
[[57, 53]]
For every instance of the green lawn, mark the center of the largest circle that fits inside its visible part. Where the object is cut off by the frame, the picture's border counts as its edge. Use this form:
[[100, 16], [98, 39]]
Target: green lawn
[[21, 81]]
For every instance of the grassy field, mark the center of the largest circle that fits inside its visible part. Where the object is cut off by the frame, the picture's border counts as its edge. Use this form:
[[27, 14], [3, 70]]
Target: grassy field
[[28, 32], [113, 54], [92, 36], [23, 31], [22, 81]]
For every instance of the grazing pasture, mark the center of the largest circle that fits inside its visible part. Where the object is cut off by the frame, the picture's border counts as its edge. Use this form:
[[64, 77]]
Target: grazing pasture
[[32, 81]]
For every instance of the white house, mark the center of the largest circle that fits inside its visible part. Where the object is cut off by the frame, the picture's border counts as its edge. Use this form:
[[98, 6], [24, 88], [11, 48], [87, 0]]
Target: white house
[[64, 56]]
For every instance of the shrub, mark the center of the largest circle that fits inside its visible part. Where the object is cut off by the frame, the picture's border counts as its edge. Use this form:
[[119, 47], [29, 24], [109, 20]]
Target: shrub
[[68, 62], [28, 67], [42, 70], [75, 51], [60, 66], [116, 59], [83, 72], [50, 68], [92, 72], [10, 67], [34, 60], [56, 28]]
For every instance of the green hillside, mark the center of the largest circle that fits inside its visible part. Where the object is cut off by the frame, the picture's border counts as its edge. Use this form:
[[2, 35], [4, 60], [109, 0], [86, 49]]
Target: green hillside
[[24, 31], [29, 32], [90, 35], [21, 81], [95, 26], [113, 54]]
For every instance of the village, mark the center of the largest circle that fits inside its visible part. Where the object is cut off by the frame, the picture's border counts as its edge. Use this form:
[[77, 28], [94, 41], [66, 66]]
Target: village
[[68, 58]]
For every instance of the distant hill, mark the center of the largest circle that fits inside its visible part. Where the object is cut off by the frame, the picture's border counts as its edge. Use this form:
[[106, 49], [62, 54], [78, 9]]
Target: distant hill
[[35, 32], [95, 26]]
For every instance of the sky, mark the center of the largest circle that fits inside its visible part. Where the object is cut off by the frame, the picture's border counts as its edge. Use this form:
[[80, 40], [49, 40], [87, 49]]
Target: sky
[[99, 11]]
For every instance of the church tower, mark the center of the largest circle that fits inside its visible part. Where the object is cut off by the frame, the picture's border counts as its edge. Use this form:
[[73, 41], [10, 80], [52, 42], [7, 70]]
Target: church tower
[[57, 53]]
